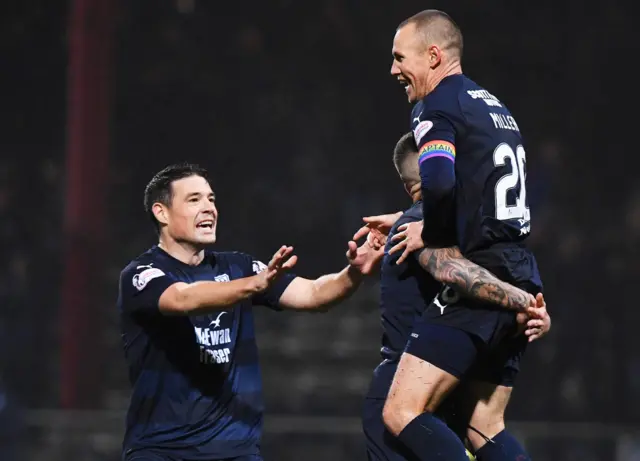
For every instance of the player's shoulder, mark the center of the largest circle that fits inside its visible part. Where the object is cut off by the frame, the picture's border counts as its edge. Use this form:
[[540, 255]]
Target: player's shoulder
[[474, 95], [144, 268], [148, 260]]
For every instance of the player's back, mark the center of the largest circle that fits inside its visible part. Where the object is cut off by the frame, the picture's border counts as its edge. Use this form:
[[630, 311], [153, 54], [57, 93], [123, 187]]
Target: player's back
[[406, 290], [492, 213]]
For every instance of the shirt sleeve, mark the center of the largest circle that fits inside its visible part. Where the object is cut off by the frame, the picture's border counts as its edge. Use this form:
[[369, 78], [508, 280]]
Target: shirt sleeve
[[271, 296], [141, 287], [435, 137]]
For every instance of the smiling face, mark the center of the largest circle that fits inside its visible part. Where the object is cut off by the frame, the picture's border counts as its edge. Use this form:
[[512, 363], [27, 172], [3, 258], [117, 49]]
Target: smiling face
[[191, 216], [413, 61]]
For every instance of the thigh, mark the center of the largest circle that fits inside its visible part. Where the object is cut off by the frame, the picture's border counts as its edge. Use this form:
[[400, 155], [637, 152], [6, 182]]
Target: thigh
[[380, 443], [418, 385]]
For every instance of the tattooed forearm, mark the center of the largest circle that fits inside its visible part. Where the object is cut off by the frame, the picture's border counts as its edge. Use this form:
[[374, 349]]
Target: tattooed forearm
[[447, 265]]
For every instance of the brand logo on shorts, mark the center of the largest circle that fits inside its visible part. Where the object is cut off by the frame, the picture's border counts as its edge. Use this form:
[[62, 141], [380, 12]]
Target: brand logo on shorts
[[447, 296], [441, 306]]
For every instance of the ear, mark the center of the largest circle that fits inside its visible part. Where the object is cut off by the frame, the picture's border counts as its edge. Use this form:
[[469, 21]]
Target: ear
[[407, 188], [435, 56], [160, 212]]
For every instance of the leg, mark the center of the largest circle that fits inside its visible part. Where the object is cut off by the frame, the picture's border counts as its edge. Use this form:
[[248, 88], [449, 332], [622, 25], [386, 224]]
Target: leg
[[489, 403], [381, 444], [418, 386], [487, 397], [431, 366]]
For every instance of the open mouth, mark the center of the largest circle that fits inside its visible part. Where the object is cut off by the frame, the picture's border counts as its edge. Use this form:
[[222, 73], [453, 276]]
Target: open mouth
[[405, 84], [207, 224]]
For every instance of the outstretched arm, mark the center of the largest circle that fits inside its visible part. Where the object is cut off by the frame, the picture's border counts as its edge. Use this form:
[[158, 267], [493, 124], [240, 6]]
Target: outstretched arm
[[328, 290]]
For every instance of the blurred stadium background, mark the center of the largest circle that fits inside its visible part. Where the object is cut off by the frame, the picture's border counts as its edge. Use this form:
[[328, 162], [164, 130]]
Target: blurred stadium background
[[291, 107]]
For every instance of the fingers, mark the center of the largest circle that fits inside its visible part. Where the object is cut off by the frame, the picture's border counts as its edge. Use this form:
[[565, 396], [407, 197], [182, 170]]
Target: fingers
[[535, 323], [364, 230], [405, 254], [375, 220], [536, 334], [540, 302], [399, 235], [290, 262], [385, 220], [279, 257], [276, 257], [375, 240], [535, 312], [536, 331], [399, 246], [352, 250], [403, 227]]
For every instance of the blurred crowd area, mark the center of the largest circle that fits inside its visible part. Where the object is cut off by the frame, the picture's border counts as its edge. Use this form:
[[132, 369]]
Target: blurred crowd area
[[292, 108]]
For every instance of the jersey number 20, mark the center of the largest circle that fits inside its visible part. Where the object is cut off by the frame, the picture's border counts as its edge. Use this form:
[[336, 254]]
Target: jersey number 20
[[509, 181]]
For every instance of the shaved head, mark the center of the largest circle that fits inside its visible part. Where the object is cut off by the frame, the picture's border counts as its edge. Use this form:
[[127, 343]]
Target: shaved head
[[405, 159], [437, 28]]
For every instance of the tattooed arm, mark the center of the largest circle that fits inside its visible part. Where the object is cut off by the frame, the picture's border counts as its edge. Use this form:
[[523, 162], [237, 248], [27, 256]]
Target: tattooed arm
[[447, 265]]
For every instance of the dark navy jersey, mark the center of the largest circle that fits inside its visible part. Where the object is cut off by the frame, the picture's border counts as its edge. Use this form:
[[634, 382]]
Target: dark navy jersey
[[406, 290], [197, 390], [463, 123]]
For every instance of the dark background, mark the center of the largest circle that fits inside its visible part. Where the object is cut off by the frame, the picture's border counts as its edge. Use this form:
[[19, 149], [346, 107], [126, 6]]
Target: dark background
[[291, 106]]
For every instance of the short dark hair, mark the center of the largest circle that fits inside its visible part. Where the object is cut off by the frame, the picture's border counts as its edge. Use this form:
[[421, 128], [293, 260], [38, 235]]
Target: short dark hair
[[159, 188], [446, 30], [405, 159]]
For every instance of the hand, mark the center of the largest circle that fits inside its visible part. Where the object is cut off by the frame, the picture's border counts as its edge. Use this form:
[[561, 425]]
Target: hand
[[539, 322], [282, 261], [378, 225], [364, 258], [409, 237]]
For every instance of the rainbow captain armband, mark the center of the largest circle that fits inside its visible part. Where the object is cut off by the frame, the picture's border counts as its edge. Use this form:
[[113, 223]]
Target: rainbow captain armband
[[437, 149]]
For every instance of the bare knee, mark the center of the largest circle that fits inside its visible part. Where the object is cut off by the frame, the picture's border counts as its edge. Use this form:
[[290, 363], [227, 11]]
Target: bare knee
[[417, 386], [397, 416]]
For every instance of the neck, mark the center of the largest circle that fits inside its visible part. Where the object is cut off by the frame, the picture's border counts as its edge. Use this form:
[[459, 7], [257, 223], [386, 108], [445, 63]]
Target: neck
[[182, 251], [442, 72]]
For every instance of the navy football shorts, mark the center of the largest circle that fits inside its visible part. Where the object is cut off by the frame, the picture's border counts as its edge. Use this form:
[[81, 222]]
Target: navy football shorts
[[464, 354]]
